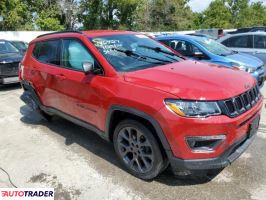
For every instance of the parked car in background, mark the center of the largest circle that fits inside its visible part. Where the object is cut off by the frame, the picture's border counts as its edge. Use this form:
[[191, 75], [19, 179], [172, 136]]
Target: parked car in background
[[200, 35], [253, 43], [154, 106], [9, 62], [208, 50], [249, 29], [20, 45]]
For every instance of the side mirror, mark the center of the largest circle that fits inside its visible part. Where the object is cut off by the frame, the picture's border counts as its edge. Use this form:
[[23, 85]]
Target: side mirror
[[87, 67], [198, 55]]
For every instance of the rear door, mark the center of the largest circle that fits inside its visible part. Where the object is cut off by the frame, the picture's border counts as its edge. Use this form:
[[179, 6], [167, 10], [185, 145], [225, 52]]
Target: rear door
[[43, 70]]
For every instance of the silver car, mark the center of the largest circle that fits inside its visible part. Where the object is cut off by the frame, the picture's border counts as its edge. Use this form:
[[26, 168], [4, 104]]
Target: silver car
[[252, 43]]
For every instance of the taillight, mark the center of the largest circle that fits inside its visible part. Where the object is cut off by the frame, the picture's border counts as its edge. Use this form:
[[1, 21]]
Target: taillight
[[20, 68]]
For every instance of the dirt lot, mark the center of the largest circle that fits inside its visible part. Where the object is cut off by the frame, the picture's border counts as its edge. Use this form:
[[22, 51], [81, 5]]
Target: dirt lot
[[80, 165]]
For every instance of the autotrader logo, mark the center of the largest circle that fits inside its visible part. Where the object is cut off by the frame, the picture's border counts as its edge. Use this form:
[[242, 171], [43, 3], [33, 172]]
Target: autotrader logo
[[27, 193]]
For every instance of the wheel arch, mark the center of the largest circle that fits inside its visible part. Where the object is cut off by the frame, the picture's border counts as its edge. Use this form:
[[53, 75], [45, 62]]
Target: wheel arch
[[123, 111]]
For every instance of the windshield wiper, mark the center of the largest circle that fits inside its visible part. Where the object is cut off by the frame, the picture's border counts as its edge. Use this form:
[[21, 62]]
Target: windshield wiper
[[143, 58], [159, 50]]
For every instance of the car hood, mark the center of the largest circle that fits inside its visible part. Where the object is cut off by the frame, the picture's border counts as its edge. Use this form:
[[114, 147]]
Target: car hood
[[193, 80], [10, 57], [245, 59]]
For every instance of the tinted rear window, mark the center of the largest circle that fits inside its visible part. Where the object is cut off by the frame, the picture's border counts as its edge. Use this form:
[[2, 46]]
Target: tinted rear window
[[238, 41], [48, 52], [260, 41]]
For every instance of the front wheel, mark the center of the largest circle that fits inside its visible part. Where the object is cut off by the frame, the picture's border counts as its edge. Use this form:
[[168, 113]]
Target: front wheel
[[138, 149]]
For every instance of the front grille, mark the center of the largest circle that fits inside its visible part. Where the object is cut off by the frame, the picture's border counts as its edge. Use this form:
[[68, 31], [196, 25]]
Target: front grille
[[9, 69], [237, 105]]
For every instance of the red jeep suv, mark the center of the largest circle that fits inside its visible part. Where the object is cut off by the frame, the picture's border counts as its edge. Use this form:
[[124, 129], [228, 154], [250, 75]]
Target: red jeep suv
[[156, 107]]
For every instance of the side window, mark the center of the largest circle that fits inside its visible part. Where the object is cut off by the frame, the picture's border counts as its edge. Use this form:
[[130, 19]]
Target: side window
[[185, 48], [259, 29], [226, 42], [243, 41], [166, 42], [48, 52], [181, 47], [74, 54], [260, 41]]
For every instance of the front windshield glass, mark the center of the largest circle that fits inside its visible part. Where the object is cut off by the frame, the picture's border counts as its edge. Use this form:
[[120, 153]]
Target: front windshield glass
[[214, 47], [7, 47], [133, 52]]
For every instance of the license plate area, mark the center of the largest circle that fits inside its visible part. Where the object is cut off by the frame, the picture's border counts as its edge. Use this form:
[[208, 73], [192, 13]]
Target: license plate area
[[254, 126], [10, 80]]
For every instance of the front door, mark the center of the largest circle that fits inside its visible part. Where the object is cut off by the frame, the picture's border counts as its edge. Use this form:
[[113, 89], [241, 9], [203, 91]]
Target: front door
[[78, 91]]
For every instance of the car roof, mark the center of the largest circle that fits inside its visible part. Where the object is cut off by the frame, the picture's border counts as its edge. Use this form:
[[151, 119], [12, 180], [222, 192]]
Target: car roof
[[99, 33], [91, 34], [240, 34], [179, 36]]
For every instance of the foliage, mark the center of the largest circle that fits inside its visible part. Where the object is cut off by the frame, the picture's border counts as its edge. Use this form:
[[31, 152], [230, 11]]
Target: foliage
[[140, 15], [231, 14], [14, 15], [165, 15]]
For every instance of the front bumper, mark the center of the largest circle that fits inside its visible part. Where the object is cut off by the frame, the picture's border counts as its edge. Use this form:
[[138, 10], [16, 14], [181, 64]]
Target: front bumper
[[9, 73], [229, 156]]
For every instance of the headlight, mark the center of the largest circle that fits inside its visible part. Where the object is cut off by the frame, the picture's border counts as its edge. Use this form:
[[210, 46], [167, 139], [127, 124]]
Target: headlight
[[244, 68], [250, 70], [193, 108]]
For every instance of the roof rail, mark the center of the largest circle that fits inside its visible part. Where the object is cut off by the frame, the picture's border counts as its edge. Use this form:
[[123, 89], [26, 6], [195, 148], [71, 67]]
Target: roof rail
[[58, 32]]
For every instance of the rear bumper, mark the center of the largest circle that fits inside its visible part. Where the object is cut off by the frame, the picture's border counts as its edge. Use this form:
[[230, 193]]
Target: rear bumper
[[229, 156]]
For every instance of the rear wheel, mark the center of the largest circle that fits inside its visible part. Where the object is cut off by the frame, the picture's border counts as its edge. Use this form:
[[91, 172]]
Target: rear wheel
[[138, 149]]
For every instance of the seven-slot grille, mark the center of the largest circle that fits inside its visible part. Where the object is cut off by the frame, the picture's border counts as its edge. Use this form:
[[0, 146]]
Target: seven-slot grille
[[242, 103]]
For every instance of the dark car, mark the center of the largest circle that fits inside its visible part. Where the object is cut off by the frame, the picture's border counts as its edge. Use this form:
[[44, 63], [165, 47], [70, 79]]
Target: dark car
[[20, 45], [9, 60], [249, 29]]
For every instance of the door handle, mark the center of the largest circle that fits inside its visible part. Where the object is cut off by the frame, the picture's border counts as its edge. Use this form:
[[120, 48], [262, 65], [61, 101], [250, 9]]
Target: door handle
[[60, 76]]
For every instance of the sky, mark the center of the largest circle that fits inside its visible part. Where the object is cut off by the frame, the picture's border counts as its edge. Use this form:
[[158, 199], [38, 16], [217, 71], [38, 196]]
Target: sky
[[200, 5]]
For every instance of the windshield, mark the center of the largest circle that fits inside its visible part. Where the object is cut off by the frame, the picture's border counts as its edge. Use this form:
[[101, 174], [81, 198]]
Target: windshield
[[7, 47], [133, 52], [214, 47], [20, 45]]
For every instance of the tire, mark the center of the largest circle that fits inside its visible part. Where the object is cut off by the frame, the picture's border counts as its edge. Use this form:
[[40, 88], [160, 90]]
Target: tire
[[138, 150]]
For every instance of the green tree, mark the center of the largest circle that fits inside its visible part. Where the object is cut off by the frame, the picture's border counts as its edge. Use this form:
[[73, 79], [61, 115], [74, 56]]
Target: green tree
[[14, 16], [258, 14], [231, 14], [216, 15], [165, 15]]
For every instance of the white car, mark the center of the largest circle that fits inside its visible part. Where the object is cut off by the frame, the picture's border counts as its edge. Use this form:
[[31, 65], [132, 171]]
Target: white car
[[253, 43]]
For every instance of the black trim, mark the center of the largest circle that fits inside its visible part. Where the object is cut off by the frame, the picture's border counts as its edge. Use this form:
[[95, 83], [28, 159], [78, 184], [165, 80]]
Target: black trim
[[141, 114], [58, 32], [229, 156], [74, 120]]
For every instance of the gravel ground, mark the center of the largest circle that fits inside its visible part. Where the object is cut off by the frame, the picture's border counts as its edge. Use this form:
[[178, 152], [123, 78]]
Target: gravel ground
[[80, 165]]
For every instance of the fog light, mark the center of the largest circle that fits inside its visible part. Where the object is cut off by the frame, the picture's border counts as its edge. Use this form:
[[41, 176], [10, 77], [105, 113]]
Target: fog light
[[204, 143]]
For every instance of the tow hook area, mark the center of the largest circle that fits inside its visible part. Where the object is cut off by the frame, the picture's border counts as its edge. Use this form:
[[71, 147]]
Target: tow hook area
[[27, 98]]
